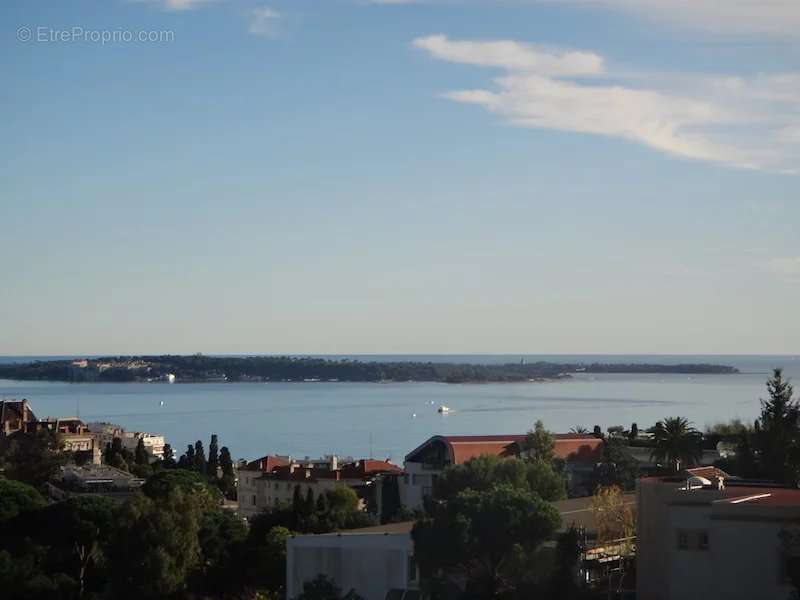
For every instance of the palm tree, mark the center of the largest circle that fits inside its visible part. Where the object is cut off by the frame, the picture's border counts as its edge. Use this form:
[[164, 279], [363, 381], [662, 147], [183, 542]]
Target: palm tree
[[676, 442], [579, 429]]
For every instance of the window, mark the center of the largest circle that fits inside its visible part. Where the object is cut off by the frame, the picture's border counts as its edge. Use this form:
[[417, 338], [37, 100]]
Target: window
[[412, 569], [702, 540], [426, 491], [413, 480], [254, 499], [683, 540]]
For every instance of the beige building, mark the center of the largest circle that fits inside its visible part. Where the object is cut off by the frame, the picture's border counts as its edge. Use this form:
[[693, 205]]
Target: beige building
[[271, 480], [705, 535]]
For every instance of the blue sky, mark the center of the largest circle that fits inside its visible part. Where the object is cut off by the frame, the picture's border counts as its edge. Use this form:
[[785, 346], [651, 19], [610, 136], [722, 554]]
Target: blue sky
[[347, 176]]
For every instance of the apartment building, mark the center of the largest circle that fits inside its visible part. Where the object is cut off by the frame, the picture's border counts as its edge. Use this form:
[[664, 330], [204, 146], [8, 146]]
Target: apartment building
[[705, 534]]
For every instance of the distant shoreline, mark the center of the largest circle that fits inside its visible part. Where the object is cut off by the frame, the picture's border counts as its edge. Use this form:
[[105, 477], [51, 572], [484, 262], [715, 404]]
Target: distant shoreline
[[285, 369]]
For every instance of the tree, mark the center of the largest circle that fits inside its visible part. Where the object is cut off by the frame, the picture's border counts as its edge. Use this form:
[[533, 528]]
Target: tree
[[163, 483], [676, 442], [486, 471], [634, 433], [579, 430], [298, 504], [228, 480], [391, 506], [117, 456], [169, 457], [321, 506], [616, 527], [461, 538], [618, 466], [33, 458], [221, 536], [155, 545], [308, 504], [213, 457], [777, 432], [540, 443], [141, 456], [322, 588], [17, 497], [199, 457]]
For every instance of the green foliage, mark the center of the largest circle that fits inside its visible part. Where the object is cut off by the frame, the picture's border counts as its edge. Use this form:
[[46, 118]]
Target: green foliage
[[322, 588], [676, 442], [213, 457], [17, 497], [486, 471], [221, 537], [777, 432], [391, 506], [118, 456], [168, 461], [227, 482], [540, 443], [155, 546], [476, 534], [618, 466], [163, 483], [200, 464], [33, 458]]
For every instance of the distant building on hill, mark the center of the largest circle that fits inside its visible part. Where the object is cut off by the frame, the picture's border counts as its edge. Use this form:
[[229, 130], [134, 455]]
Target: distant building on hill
[[270, 481], [704, 534], [424, 464]]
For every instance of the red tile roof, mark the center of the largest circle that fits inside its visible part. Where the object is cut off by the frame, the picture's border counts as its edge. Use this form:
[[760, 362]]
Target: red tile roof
[[267, 463], [568, 446]]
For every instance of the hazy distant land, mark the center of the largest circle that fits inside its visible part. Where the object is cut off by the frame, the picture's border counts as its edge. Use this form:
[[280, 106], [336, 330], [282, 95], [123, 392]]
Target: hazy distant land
[[202, 368]]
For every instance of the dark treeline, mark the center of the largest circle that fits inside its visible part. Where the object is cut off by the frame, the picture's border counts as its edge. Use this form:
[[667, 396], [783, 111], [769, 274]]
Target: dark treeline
[[280, 368]]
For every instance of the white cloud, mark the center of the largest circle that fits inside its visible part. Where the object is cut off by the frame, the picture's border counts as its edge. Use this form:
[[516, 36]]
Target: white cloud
[[263, 20], [751, 123], [179, 5], [512, 55], [786, 267]]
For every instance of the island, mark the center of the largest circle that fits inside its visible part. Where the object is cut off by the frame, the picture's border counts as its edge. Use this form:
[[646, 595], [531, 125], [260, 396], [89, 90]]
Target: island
[[200, 368]]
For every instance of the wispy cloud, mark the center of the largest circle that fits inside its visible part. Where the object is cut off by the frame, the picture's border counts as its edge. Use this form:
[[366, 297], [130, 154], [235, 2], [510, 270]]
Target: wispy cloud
[[779, 17], [263, 21], [736, 16], [786, 267], [179, 5], [752, 123]]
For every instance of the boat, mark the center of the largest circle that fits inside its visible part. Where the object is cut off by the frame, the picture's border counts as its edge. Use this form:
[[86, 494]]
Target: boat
[[443, 409]]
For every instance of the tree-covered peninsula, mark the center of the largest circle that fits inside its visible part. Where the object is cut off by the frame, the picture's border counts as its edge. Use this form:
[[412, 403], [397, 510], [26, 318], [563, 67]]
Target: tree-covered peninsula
[[203, 368]]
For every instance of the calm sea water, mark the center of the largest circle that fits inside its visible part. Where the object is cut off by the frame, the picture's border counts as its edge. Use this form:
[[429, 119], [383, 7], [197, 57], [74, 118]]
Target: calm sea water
[[360, 419]]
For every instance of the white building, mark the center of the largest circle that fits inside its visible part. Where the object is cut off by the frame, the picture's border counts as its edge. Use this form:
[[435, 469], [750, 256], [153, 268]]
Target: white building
[[703, 535], [374, 561]]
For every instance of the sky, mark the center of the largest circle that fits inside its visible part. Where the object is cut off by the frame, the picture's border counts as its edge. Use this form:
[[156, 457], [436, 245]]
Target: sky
[[399, 176]]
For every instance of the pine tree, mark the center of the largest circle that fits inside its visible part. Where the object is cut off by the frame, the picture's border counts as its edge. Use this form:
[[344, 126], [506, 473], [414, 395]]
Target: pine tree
[[298, 506], [141, 456], [308, 505], [169, 457], [199, 457], [228, 481], [321, 506], [213, 457], [777, 431]]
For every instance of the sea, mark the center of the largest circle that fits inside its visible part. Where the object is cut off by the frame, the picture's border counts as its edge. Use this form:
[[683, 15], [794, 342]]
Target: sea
[[388, 420]]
